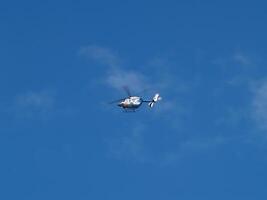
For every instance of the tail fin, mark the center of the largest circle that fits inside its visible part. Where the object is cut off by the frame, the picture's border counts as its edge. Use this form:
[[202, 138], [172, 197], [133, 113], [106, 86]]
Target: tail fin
[[154, 100]]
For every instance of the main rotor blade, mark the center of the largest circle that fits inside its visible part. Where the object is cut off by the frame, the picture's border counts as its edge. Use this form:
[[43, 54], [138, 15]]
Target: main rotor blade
[[126, 89], [115, 101], [142, 91]]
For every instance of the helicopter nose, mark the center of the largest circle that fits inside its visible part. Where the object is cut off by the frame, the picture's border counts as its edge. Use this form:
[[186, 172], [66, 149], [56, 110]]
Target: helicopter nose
[[120, 104]]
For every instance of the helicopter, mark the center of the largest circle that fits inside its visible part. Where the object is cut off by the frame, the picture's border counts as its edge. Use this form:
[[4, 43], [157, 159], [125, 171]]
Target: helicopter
[[131, 103]]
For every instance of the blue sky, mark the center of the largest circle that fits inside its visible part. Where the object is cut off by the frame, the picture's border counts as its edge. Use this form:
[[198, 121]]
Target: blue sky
[[62, 61]]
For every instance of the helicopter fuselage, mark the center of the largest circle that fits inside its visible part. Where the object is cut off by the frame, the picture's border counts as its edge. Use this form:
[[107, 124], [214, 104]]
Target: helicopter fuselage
[[133, 102]]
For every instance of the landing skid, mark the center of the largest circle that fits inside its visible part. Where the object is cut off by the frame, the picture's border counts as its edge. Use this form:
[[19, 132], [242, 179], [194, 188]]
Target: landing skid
[[127, 110]]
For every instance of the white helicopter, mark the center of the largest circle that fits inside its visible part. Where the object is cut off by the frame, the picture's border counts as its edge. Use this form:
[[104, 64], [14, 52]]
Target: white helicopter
[[131, 103]]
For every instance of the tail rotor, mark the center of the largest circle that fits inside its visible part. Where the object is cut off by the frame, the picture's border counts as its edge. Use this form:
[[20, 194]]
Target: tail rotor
[[155, 99]]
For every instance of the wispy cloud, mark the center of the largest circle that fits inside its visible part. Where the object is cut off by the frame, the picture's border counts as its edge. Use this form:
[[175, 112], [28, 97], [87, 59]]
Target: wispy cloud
[[36, 104], [241, 70], [39, 100], [242, 59], [242, 76], [117, 78], [235, 69], [259, 105], [236, 59], [135, 148], [100, 54], [238, 68], [129, 147], [156, 74], [116, 75], [32, 103], [192, 147]]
